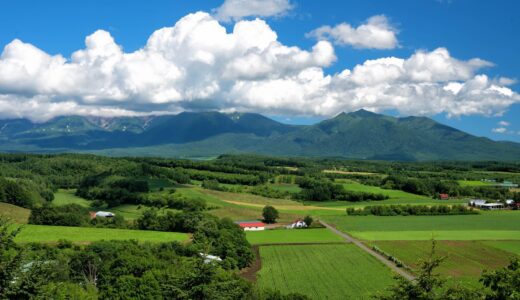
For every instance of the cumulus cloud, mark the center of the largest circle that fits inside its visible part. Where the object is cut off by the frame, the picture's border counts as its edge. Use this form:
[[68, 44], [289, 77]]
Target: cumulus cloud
[[504, 123], [499, 130], [233, 10], [376, 33], [197, 64]]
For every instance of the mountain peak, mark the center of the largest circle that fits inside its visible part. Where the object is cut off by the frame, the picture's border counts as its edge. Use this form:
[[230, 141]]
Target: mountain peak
[[363, 113]]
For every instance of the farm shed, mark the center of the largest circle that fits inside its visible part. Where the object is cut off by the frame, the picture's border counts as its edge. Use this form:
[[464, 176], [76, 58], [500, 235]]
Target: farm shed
[[444, 196], [492, 206], [297, 224], [251, 225], [105, 214]]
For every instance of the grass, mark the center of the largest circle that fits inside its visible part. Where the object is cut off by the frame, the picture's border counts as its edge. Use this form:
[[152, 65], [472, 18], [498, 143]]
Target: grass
[[509, 246], [499, 225], [64, 197], [340, 271], [292, 236], [473, 183], [286, 187], [51, 234], [16, 213], [464, 260]]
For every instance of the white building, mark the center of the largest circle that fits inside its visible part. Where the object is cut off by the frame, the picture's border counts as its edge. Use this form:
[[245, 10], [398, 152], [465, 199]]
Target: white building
[[105, 214], [297, 224], [251, 225]]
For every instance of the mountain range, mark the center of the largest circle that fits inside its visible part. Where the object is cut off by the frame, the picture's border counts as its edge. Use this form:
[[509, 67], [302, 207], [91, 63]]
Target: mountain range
[[360, 135]]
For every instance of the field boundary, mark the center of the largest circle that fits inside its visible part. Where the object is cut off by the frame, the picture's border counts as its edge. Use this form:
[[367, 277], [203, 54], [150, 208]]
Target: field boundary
[[378, 256]]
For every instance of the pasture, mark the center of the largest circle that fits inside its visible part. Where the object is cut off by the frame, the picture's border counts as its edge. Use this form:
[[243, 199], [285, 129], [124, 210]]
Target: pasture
[[464, 260], [64, 197], [52, 234], [339, 271], [292, 236], [16, 213], [509, 246]]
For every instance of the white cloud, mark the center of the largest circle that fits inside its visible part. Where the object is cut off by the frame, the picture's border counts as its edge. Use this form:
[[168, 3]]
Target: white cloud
[[239, 9], [376, 33], [499, 130], [197, 65], [504, 123]]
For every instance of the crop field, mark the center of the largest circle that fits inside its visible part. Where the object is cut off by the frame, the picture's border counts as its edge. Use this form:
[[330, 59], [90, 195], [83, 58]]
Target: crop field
[[473, 183], [16, 213], [286, 187], [64, 197], [509, 246], [464, 260], [292, 236], [341, 271], [52, 234]]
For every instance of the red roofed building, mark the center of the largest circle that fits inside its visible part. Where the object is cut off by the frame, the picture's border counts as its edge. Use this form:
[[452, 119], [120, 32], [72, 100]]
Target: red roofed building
[[444, 196], [251, 225]]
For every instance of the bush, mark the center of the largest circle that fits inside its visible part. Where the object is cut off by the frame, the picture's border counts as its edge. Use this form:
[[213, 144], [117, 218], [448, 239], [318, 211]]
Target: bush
[[411, 210], [270, 214], [67, 215]]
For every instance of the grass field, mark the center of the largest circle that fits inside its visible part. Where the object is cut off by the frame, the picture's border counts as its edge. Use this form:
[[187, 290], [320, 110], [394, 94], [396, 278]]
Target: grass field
[[340, 271], [63, 197], [464, 260], [473, 183], [50, 234], [502, 225], [509, 246], [289, 236], [286, 187], [17, 214]]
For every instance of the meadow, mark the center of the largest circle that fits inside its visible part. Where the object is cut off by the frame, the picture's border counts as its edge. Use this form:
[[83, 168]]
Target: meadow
[[52, 234], [15, 213], [464, 260], [64, 197], [292, 236], [339, 271]]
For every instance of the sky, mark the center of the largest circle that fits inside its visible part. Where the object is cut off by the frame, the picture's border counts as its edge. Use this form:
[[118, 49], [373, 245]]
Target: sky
[[297, 61]]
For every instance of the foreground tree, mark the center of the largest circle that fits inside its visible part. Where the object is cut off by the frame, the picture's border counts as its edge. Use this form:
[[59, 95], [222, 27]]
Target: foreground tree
[[270, 214], [503, 283], [308, 221]]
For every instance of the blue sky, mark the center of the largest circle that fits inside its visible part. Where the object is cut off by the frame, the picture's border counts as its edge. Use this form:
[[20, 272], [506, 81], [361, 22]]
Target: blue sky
[[484, 29]]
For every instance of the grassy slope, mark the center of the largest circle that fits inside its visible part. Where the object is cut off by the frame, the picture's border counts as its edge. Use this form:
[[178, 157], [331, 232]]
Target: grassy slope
[[49, 234], [16, 213], [63, 197], [465, 261], [287, 236], [322, 271], [503, 225]]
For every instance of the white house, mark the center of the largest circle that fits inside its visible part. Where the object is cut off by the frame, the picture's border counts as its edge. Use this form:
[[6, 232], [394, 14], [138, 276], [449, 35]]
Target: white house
[[297, 224], [105, 214], [492, 206], [477, 202]]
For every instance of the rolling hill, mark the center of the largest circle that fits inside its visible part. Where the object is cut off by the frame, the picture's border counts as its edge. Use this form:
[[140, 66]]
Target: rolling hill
[[361, 135]]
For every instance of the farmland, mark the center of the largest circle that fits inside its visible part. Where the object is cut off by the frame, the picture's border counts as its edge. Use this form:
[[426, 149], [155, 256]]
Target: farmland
[[323, 271], [292, 236], [464, 260], [15, 213], [64, 197], [52, 234]]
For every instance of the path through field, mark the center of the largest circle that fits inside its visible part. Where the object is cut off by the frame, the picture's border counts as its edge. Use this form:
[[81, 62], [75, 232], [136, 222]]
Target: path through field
[[380, 257]]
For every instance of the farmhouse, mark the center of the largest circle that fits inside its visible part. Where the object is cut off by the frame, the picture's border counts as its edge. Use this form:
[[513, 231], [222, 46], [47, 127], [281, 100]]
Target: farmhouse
[[492, 206], [251, 225], [297, 224], [477, 202]]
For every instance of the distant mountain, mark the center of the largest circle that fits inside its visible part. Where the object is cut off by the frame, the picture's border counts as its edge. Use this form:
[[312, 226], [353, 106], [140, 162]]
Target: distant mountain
[[361, 135]]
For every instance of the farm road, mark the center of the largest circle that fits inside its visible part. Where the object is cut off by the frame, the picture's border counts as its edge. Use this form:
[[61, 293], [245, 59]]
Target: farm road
[[380, 257]]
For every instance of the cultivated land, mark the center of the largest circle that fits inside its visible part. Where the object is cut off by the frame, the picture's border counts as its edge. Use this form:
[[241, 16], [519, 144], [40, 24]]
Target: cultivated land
[[64, 197], [509, 246], [500, 225], [340, 271], [52, 234], [464, 260], [292, 236]]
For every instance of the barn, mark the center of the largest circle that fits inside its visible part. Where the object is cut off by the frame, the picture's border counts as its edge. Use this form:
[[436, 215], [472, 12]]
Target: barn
[[251, 225]]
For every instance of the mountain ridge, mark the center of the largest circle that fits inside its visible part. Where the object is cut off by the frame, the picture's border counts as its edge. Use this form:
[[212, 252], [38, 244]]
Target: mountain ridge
[[361, 135]]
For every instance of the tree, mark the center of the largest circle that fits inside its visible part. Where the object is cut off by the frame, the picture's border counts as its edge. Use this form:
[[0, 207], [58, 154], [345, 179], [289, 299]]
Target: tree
[[504, 282], [308, 221], [270, 214]]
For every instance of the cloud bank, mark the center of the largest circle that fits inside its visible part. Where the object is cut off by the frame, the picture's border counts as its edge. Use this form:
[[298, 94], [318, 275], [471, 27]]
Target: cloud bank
[[197, 65], [376, 33]]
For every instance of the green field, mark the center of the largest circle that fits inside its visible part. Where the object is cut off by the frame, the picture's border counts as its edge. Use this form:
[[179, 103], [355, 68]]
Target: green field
[[509, 246], [340, 271], [286, 187], [288, 236], [446, 235], [64, 197], [473, 183], [464, 260], [16, 213], [50, 234]]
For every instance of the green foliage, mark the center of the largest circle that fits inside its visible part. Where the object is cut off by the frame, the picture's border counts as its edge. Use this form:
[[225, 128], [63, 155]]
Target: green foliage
[[325, 190], [411, 210], [308, 221], [66, 215], [270, 214], [503, 283]]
